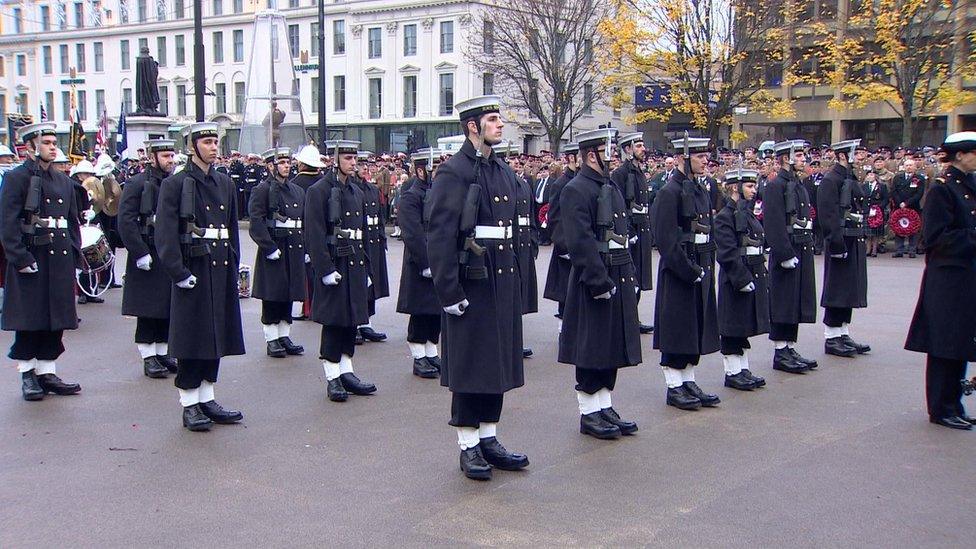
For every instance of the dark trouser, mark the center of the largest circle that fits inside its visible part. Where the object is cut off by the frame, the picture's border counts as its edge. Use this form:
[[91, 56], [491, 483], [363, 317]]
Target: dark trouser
[[424, 329], [273, 312], [192, 372], [39, 344], [590, 380], [472, 409], [835, 317], [911, 241], [310, 290], [943, 386], [783, 332], [818, 243], [679, 361], [559, 309], [371, 307], [152, 330], [734, 345], [337, 341]]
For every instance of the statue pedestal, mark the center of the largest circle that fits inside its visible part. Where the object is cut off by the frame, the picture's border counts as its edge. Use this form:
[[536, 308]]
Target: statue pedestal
[[141, 128]]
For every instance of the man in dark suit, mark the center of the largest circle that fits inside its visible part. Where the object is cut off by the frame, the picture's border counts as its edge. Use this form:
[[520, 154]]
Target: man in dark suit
[[908, 186]]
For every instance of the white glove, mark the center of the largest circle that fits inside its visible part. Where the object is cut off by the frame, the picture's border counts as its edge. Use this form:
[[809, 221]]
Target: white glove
[[565, 256], [701, 276], [187, 284], [633, 240], [750, 287], [790, 263], [426, 273], [89, 215], [458, 308], [308, 258], [839, 256], [604, 295], [30, 269], [332, 279], [144, 262], [369, 281], [274, 256], [543, 224]]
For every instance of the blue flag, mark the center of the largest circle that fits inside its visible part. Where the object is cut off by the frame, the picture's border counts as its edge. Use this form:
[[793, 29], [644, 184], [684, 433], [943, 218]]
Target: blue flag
[[122, 141]]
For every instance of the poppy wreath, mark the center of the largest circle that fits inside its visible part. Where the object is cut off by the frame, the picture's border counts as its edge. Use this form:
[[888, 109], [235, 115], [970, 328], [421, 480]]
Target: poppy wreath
[[543, 214], [813, 213], [758, 210], [905, 222], [875, 217]]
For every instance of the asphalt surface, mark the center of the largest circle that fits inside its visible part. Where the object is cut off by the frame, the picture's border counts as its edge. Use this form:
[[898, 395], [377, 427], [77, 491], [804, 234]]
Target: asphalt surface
[[840, 457]]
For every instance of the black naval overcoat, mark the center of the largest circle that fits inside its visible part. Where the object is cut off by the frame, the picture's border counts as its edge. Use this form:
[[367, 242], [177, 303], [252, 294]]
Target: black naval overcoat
[[528, 249], [557, 278], [685, 311], [416, 295], [792, 292], [632, 183], [482, 349], [205, 321], [44, 300], [845, 282], [282, 279], [598, 334], [146, 294], [306, 179], [375, 239], [740, 314], [344, 304], [944, 324]]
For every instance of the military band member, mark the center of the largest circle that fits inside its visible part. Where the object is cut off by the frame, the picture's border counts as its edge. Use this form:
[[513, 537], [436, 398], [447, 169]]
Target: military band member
[[632, 183], [944, 323], [42, 241], [789, 235], [199, 246], [374, 239], [600, 332], [557, 277], [335, 220], [309, 164], [275, 213], [146, 294], [743, 294], [841, 206], [475, 268]]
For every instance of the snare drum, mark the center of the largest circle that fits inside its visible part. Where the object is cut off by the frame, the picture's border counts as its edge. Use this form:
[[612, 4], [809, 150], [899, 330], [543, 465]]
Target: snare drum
[[94, 249]]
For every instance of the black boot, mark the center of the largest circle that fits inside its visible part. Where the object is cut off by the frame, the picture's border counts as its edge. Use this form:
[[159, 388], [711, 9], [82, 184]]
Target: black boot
[[836, 346], [597, 426], [784, 362], [53, 384], [195, 420], [30, 387], [276, 350], [740, 381], [368, 333], [707, 400], [626, 427], [760, 381], [434, 361], [422, 368], [290, 347], [217, 414], [859, 347], [355, 386], [474, 465], [526, 353], [808, 362], [646, 329], [359, 338], [953, 422], [680, 398], [497, 456], [169, 362], [152, 367], [337, 393]]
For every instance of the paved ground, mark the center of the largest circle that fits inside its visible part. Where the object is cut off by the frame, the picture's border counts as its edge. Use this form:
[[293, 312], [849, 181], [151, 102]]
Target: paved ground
[[841, 457]]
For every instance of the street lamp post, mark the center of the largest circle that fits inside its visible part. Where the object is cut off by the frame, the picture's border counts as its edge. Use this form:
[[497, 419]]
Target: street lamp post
[[323, 128], [199, 74]]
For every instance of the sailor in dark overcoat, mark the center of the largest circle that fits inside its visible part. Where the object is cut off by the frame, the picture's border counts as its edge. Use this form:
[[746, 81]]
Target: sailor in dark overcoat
[[743, 293], [416, 296], [944, 326], [199, 248], [146, 294], [632, 183], [557, 277], [600, 329], [685, 315], [789, 236], [41, 238], [335, 222], [275, 213], [476, 279], [309, 165], [841, 208], [374, 240]]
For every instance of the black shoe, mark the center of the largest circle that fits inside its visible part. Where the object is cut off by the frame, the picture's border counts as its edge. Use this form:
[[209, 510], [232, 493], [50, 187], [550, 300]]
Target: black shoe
[[526, 352], [783, 361], [598, 426], [954, 422], [646, 329], [680, 398], [760, 381], [30, 387], [337, 393], [359, 338], [809, 363], [115, 284], [195, 420], [169, 362], [217, 414], [626, 427], [740, 381], [355, 386], [707, 400], [423, 368], [53, 384], [276, 350], [497, 456], [837, 347], [151, 367], [967, 419], [434, 361], [911, 256], [897, 254], [82, 299], [474, 465], [290, 347], [859, 347], [370, 334]]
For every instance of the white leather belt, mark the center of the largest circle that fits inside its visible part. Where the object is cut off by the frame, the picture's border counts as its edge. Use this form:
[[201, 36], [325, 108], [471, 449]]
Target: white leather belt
[[753, 250], [855, 217], [214, 234], [524, 221], [53, 222], [350, 234], [701, 238], [372, 221], [614, 245], [639, 210], [288, 224], [492, 233], [807, 225]]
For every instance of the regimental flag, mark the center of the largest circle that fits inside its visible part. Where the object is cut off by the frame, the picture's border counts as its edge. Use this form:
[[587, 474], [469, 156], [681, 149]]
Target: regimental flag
[[14, 121], [77, 142], [122, 137], [43, 113], [101, 136]]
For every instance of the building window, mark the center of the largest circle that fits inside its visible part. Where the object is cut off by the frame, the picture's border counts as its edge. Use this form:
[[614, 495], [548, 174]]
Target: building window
[[409, 40], [220, 93], [3, 106], [218, 7], [488, 37], [375, 97], [488, 84], [127, 99], [160, 11], [143, 45], [21, 65], [45, 18], [141, 11], [100, 102], [180, 50], [587, 51], [48, 59], [123, 12], [447, 94], [161, 50], [3, 66], [49, 105], [65, 104], [410, 96], [292, 3], [22, 100], [338, 37], [164, 99], [587, 99], [79, 15], [238, 97], [179, 10], [238, 46], [19, 21], [63, 51], [375, 43], [447, 36], [315, 40], [238, 6], [124, 54], [293, 40], [99, 56], [218, 47], [82, 105], [80, 54], [339, 93], [180, 100], [315, 94]]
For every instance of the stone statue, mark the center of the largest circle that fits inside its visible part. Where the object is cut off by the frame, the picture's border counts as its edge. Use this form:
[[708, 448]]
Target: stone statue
[[147, 89]]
